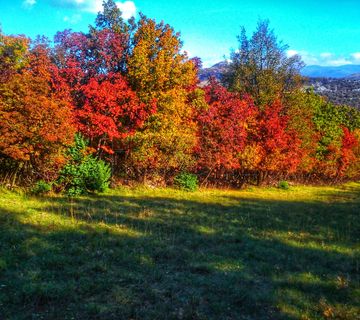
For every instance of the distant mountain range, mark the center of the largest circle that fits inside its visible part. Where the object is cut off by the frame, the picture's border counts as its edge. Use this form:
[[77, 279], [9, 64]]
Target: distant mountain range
[[217, 70], [341, 85], [347, 71]]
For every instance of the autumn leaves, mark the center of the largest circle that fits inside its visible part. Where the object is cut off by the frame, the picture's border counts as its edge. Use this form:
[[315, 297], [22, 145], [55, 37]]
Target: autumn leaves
[[129, 88]]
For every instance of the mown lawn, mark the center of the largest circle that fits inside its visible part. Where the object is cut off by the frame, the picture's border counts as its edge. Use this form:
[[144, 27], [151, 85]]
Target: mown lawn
[[166, 254]]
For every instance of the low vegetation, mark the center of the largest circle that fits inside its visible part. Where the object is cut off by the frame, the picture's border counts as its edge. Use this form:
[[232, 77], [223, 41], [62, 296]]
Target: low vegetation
[[169, 254]]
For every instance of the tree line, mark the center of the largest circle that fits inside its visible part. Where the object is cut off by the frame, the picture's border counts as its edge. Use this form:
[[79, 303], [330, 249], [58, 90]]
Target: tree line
[[130, 90]]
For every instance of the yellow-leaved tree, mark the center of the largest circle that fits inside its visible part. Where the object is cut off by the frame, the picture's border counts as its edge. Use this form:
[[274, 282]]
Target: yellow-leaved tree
[[162, 75]]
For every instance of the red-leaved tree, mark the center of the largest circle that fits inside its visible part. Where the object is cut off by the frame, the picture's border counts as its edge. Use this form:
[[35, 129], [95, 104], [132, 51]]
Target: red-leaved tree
[[272, 147], [107, 110], [223, 128]]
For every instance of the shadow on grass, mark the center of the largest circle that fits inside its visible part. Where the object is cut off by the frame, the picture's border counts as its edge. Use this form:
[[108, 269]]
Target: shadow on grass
[[128, 257]]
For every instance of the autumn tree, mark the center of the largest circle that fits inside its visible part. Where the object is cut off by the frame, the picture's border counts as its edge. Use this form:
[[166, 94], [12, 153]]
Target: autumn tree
[[93, 64], [301, 110], [223, 129], [160, 72], [349, 144], [36, 119], [13, 54], [352, 171], [261, 68], [109, 111], [272, 148], [334, 125]]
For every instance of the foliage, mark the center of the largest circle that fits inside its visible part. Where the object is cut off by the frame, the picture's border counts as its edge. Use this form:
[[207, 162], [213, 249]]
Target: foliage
[[167, 139], [349, 144], [301, 107], [186, 181], [156, 64], [353, 168], [41, 187], [272, 146], [13, 55], [36, 119], [84, 173], [107, 109], [283, 184], [160, 73], [130, 89], [261, 67], [223, 128]]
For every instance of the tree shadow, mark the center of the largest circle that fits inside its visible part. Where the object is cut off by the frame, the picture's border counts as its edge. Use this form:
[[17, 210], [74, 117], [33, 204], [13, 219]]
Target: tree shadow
[[127, 257]]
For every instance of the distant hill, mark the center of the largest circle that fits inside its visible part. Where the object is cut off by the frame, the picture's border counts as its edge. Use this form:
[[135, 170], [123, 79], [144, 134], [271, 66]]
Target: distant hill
[[341, 91], [355, 76], [217, 70], [341, 85], [331, 72], [346, 71]]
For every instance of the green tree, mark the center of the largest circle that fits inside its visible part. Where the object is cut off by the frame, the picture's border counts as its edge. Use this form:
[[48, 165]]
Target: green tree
[[262, 68], [13, 55], [83, 173]]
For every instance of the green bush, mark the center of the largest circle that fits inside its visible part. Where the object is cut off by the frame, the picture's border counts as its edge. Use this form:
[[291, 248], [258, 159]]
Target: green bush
[[84, 173], [284, 185], [186, 181], [41, 187]]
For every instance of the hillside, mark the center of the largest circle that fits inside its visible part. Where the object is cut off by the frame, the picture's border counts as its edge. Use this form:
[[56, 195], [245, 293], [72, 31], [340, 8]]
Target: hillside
[[341, 85], [217, 70], [344, 91], [330, 72]]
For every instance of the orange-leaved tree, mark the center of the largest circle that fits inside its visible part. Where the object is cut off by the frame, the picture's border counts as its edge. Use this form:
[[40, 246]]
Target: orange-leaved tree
[[36, 118], [272, 148], [160, 72]]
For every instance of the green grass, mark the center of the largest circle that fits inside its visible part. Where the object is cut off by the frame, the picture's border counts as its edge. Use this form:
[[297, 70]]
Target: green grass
[[167, 254]]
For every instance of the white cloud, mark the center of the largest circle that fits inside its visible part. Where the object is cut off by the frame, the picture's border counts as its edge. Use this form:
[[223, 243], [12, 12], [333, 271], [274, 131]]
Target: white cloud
[[356, 55], [326, 58], [338, 62], [73, 19], [29, 3], [326, 55], [291, 53], [307, 57], [127, 8], [93, 6], [210, 60]]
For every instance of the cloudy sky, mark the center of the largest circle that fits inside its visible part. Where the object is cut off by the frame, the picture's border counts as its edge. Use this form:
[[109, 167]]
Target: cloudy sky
[[324, 32]]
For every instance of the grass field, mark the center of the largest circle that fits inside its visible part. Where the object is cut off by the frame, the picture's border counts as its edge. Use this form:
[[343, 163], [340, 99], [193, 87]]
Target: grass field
[[166, 254]]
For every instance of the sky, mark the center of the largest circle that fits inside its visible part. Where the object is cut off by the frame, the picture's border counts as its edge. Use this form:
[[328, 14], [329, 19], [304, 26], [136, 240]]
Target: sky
[[322, 32]]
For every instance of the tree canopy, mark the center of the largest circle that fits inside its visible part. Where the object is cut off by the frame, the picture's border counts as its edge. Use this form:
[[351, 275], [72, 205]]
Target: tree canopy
[[130, 89], [261, 67]]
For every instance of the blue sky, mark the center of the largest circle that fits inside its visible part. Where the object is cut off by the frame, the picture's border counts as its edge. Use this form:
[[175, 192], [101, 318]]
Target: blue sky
[[323, 32]]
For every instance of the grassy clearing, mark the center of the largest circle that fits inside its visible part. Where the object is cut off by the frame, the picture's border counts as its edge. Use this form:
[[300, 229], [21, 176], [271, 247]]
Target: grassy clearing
[[166, 254]]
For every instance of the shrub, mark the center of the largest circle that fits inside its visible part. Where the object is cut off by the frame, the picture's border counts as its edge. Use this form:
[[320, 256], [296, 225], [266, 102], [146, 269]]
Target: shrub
[[284, 185], [186, 181], [84, 173], [41, 187]]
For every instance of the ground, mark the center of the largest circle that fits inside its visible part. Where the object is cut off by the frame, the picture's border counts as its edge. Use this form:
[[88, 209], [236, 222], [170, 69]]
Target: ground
[[166, 254]]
